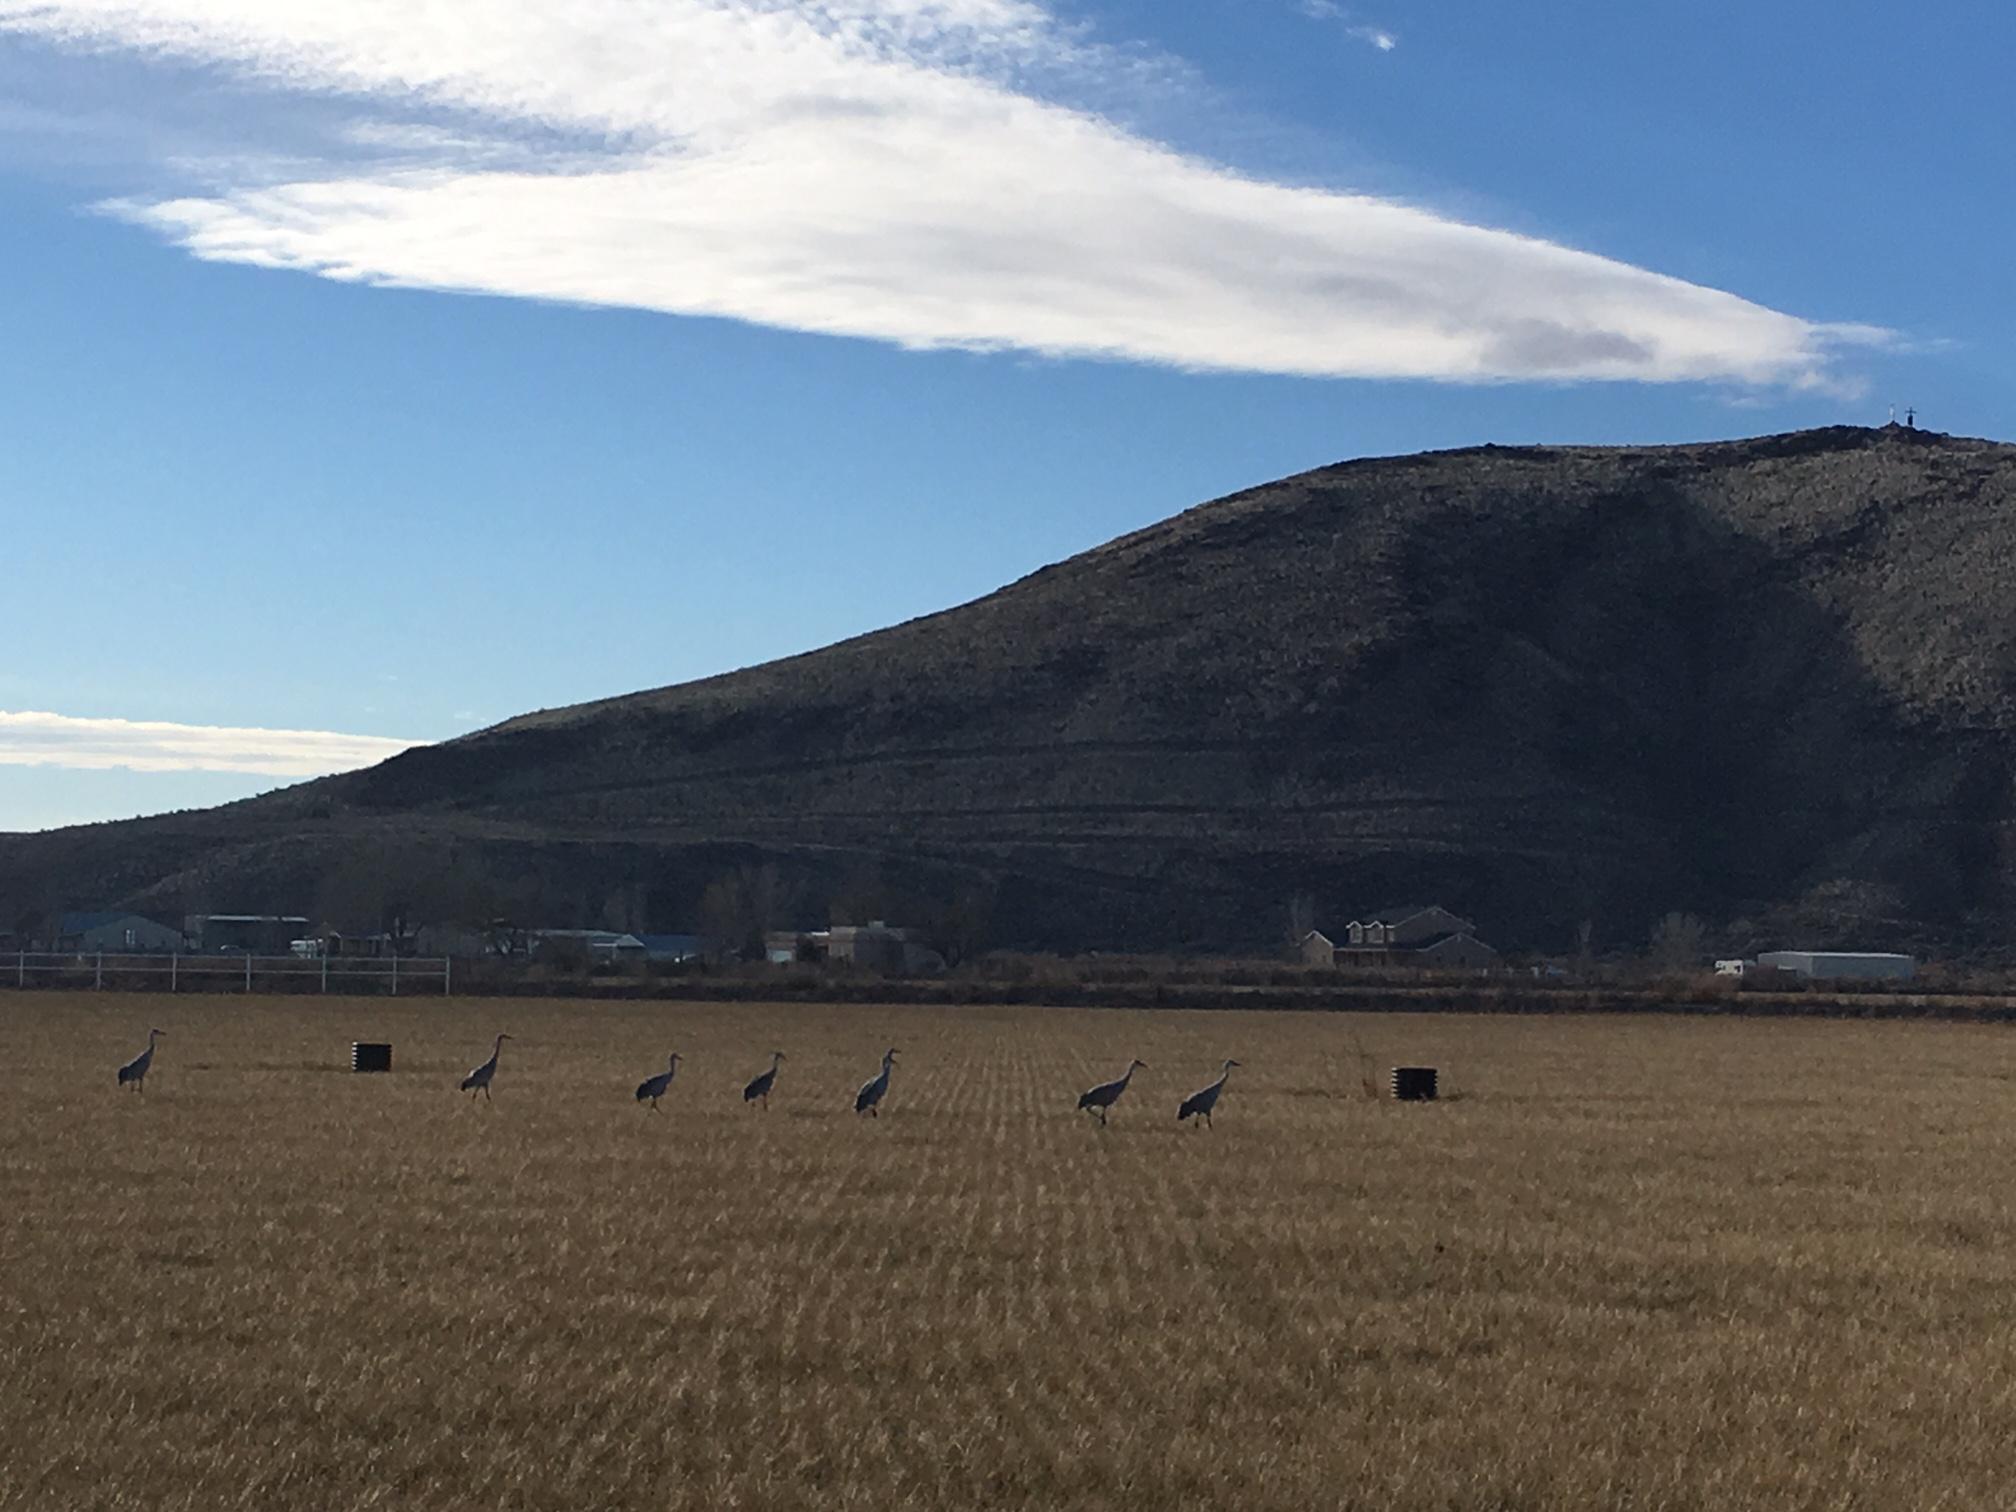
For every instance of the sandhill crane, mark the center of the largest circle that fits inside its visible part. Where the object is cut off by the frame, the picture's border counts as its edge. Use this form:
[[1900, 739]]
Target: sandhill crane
[[759, 1089], [654, 1087], [481, 1077], [1103, 1096], [135, 1070], [1204, 1099], [872, 1091]]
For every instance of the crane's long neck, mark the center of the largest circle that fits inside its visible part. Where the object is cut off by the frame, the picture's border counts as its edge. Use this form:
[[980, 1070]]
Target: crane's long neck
[[1128, 1075]]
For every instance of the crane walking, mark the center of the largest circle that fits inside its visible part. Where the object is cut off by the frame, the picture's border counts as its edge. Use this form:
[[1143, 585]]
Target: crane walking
[[654, 1087], [759, 1089], [135, 1070], [1204, 1099], [483, 1075], [872, 1092], [1103, 1096]]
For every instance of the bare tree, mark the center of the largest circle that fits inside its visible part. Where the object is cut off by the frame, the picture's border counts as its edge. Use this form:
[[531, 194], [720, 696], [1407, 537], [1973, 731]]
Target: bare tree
[[954, 926], [1678, 943], [1300, 918], [738, 911]]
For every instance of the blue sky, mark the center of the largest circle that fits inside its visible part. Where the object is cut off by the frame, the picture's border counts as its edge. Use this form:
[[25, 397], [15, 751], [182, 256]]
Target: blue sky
[[377, 372]]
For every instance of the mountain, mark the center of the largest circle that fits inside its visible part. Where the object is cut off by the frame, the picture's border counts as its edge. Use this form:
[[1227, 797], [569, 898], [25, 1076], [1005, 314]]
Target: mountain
[[1769, 680]]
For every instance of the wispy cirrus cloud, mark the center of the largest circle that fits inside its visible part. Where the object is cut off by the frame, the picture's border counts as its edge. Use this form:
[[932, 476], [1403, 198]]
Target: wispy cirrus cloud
[[30, 738], [931, 173], [1330, 10]]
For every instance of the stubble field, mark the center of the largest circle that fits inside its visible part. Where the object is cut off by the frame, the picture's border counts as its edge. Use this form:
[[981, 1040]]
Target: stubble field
[[1630, 1263]]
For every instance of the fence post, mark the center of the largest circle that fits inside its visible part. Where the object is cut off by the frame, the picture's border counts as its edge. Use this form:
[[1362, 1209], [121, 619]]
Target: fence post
[[325, 973], [248, 971], [98, 977], [395, 973], [447, 972], [174, 961], [21, 970]]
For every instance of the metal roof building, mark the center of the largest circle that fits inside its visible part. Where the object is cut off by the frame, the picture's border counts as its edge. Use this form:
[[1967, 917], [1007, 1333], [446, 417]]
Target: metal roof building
[[1841, 965]]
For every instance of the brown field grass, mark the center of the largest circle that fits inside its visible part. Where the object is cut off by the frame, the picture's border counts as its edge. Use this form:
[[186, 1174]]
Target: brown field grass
[[1649, 1263]]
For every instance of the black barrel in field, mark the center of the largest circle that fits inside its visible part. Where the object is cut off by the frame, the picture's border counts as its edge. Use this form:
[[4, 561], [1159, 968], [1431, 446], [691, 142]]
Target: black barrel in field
[[1414, 1083], [369, 1057]]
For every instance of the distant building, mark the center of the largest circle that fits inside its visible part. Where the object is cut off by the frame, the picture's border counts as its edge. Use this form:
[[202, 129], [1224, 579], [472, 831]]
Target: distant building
[[254, 934], [115, 931], [1411, 927], [1841, 965], [603, 947], [876, 946], [671, 949], [1429, 937], [788, 947], [873, 946], [463, 941], [336, 942]]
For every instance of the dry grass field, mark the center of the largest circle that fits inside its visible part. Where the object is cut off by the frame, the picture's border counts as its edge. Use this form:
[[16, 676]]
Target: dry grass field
[[1657, 1263]]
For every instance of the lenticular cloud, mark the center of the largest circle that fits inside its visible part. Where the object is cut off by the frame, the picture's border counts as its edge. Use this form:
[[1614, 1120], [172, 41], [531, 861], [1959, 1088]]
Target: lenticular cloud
[[31, 738], [909, 171]]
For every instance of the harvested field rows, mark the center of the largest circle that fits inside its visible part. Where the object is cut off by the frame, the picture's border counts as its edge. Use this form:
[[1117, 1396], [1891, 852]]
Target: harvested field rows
[[1652, 1262]]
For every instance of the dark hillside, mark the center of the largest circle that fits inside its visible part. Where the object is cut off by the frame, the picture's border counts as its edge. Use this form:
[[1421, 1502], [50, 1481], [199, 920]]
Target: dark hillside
[[1761, 677]]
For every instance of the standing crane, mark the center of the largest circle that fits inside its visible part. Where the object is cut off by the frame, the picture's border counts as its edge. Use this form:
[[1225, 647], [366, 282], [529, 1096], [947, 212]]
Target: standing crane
[[759, 1089], [654, 1087], [135, 1070], [1204, 1099], [872, 1092], [483, 1075], [1103, 1096]]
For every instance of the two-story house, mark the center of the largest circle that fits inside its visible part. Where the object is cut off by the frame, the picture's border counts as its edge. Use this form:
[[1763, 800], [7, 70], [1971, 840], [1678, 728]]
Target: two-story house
[[1422, 936]]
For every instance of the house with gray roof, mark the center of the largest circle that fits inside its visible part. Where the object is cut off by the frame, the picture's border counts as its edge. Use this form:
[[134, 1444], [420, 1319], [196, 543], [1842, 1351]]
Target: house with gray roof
[[1425, 935]]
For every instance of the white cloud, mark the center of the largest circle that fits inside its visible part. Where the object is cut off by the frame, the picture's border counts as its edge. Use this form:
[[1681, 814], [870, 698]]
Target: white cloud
[[1331, 10], [29, 738], [907, 171]]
